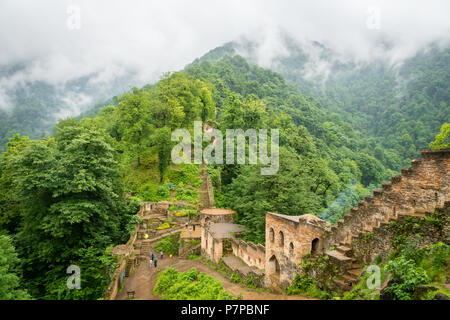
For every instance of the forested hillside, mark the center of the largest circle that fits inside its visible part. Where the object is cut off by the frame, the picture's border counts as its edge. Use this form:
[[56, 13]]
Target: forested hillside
[[68, 198], [401, 105], [32, 107]]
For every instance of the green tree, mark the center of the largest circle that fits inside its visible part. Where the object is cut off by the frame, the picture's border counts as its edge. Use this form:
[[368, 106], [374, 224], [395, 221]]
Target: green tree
[[134, 125], [442, 140], [72, 201], [9, 276]]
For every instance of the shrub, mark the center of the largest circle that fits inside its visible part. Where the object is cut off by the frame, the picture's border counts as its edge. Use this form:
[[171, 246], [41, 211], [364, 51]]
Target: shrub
[[235, 278], [163, 226], [190, 285], [169, 244], [406, 277]]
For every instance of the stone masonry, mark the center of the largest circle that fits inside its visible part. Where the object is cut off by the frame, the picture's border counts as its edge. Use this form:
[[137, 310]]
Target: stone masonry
[[416, 192]]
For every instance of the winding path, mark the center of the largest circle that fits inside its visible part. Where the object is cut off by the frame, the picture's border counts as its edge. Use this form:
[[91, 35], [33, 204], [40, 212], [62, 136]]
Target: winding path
[[144, 277]]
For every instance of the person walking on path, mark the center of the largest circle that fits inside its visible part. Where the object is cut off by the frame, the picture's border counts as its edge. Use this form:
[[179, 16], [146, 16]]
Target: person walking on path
[[151, 262], [186, 224], [153, 256], [155, 262], [162, 255]]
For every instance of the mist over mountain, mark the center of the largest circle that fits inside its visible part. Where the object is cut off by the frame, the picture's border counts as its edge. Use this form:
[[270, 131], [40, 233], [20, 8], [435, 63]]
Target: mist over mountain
[[51, 68], [94, 93], [403, 104]]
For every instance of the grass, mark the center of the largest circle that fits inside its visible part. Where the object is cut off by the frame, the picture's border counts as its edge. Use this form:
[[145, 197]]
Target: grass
[[189, 285]]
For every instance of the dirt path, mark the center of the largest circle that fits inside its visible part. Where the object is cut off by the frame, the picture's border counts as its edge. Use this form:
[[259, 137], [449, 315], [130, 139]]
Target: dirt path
[[144, 277]]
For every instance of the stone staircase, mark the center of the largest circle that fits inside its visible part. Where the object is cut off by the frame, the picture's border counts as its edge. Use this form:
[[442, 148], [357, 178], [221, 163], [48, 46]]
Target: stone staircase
[[142, 246], [422, 188], [344, 257], [425, 187]]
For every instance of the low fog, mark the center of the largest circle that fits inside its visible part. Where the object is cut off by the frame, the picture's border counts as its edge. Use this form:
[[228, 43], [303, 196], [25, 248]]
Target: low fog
[[59, 41]]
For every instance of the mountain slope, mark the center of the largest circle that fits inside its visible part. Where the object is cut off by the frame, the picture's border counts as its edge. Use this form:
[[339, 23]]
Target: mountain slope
[[401, 106]]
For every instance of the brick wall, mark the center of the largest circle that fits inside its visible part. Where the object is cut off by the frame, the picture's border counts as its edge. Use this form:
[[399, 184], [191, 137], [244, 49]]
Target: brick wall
[[420, 188], [288, 239], [253, 255], [424, 231]]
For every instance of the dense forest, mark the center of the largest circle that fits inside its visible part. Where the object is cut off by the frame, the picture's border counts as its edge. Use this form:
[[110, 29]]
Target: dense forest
[[67, 199], [399, 105], [32, 107]]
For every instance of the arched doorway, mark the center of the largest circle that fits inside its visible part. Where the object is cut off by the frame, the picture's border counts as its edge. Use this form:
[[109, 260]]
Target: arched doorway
[[315, 246], [274, 266]]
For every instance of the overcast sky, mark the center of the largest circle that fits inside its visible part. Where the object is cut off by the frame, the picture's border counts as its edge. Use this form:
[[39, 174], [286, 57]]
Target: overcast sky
[[151, 37]]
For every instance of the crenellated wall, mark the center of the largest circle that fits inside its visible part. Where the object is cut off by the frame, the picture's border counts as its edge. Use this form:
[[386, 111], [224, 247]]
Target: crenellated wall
[[423, 229], [254, 255], [421, 188]]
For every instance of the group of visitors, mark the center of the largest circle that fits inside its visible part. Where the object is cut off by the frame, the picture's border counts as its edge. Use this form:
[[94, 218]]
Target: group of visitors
[[154, 261], [190, 230]]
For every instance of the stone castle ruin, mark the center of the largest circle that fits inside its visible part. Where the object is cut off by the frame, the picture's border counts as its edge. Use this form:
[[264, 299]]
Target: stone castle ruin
[[417, 192], [421, 193]]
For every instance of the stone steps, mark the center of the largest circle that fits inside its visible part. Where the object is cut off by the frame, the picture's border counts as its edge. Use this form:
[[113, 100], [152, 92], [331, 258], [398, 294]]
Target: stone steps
[[338, 256], [344, 250], [343, 253], [342, 285], [355, 272], [351, 280]]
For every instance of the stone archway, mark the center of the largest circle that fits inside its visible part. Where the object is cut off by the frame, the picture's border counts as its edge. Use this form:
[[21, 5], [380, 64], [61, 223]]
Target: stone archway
[[274, 266], [315, 246]]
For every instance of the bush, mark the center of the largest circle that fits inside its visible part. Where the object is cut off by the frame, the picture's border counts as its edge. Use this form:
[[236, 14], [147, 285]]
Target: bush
[[163, 226], [304, 284], [163, 191], [235, 278], [168, 245], [406, 277], [190, 285], [132, 222]]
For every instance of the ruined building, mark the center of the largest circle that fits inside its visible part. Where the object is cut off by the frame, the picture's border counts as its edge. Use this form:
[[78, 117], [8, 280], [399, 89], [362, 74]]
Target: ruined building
[[416, 192]]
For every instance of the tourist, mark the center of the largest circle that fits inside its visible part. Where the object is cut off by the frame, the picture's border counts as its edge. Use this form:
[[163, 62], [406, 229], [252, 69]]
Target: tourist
[[151, 262], [153, 256], [186, 224], [155, 262], [161, 254]]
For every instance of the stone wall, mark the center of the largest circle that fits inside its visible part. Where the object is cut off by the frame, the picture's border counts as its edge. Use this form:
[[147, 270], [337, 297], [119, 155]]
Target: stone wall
[[288, 239], [423, 230], [206, 193], [253, 255], [421, 188], [123, 258], [210, 247], [215, 218]]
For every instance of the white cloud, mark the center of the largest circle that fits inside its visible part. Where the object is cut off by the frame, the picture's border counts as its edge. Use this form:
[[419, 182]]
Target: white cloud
[[147, 38]]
